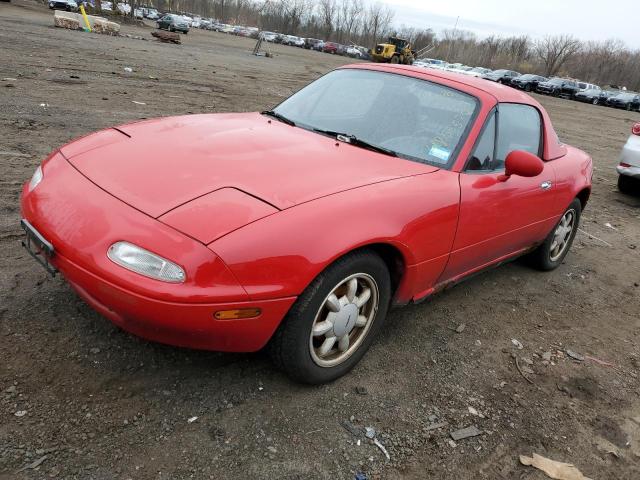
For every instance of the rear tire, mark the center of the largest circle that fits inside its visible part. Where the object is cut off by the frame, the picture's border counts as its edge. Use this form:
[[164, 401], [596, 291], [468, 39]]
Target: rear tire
[[550, 254], [296, 347], [628, 185], [527, 88], [395, 59]]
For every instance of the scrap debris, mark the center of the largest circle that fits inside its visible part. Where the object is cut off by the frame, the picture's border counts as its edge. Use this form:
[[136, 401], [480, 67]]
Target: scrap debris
[[377, 443], [553, 469], [520, 370], [468, 432], [167, 37]]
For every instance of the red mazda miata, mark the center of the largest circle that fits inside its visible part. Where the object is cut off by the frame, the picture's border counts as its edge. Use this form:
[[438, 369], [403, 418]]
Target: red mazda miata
[[299, 227]]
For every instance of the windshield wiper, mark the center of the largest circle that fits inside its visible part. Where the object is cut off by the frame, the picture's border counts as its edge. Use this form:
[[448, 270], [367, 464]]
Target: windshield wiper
[[279, 116], [353, 140]]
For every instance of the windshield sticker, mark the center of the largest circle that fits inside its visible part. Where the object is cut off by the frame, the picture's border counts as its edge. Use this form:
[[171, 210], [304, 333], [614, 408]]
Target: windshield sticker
[[439, 153]]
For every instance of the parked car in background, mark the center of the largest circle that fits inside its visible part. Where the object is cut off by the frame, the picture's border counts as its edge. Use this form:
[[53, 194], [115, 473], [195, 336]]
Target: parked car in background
[[288, 40], [629, 165], [587, 86], [429, 179], [151, 13], [528, 82], [558, 87], [594, 96], [330, 47], [353, 52], [123, 8], [138, 13], [341, 49], [106, 6], [319, 47], [173, 23], [268, 36], [626, 100], [501, 76], [479, 71], [433, 62], [68, 5], [309, 43]]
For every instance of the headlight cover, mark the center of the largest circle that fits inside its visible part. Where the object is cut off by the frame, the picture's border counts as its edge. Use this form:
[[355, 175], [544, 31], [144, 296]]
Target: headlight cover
[[36, 178], [142, 261]]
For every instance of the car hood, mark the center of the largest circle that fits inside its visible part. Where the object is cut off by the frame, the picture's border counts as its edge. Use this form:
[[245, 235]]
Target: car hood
[[160, 164]]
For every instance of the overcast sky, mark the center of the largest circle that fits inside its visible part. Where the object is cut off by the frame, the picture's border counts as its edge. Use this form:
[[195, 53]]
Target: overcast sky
[[584, 19]]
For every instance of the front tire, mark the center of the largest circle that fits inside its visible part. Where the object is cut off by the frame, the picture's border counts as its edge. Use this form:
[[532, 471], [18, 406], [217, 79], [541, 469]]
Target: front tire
[[333, 323], [551, 253]]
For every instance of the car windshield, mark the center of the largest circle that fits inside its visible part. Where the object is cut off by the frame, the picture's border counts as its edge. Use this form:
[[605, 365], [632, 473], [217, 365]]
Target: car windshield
[[528, 76], [499, 72], [625, 96], [413, 118], [556, 81]]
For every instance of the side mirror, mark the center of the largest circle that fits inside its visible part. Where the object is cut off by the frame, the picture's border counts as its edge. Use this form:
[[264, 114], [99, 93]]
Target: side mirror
[[523, 164]]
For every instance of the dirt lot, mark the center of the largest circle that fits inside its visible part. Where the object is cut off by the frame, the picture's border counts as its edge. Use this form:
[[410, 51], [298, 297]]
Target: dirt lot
[[89, 401]]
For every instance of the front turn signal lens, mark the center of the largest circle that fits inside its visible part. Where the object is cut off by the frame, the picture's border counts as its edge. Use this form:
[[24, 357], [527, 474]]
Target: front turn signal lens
[[237, 314]]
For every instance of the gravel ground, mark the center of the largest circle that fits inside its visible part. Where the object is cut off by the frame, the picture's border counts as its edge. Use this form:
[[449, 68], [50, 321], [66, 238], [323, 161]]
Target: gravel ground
[[81, 399]]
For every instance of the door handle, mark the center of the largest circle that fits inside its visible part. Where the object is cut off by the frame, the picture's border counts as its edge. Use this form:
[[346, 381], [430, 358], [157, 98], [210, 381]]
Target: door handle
[[546, 185]]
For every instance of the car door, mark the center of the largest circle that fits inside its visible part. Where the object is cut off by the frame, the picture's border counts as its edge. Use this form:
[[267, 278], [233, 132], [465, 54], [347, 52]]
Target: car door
[[499, 218]]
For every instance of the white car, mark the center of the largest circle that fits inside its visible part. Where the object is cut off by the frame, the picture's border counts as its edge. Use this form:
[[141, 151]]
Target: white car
[[124, 8], [138, 13], [354, 52], [106, 6], [584, 86], [629, 166], [293, 41], [269, 36]]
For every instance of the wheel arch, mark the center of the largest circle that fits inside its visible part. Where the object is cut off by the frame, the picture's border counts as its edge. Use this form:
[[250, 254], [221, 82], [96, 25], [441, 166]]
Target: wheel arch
[[583, 195], [392, 256]]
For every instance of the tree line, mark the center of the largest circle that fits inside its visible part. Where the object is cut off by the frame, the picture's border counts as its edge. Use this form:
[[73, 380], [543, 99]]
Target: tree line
[[363, 23]]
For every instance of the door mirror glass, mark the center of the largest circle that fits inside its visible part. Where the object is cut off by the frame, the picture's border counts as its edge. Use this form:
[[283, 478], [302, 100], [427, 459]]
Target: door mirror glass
[[523, 164]]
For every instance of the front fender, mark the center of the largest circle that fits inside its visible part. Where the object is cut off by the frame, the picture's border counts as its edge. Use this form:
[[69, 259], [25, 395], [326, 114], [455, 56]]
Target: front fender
[[280, 255]]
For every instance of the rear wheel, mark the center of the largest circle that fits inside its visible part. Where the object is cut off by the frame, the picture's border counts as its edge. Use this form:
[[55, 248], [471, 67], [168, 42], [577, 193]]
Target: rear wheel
[[395, 59], [551, 253], [332, 324], [527, 87], [628, 185]]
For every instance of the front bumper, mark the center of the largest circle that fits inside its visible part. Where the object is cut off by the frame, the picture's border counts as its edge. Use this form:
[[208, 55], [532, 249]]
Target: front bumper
[[180, 324], [629, 171], [81, 221]]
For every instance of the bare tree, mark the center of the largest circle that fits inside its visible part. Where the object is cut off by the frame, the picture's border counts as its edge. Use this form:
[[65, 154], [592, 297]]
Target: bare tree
[[327, 10], [554, 51]]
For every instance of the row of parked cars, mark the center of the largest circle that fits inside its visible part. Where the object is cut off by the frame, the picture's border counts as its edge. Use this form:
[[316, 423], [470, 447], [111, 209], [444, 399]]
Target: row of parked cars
[[353, 51], [557, 87]]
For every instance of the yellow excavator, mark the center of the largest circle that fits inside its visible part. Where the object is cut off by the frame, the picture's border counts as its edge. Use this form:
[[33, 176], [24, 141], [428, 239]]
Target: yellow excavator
[[396, 50]]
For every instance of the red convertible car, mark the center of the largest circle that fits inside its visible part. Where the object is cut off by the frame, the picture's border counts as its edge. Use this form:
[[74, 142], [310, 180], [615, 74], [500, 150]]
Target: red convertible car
[[298, 227]]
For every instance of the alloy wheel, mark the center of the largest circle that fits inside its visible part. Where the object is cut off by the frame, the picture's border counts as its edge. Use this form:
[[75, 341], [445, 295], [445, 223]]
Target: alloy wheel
[[562, 235], [343, 320]]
